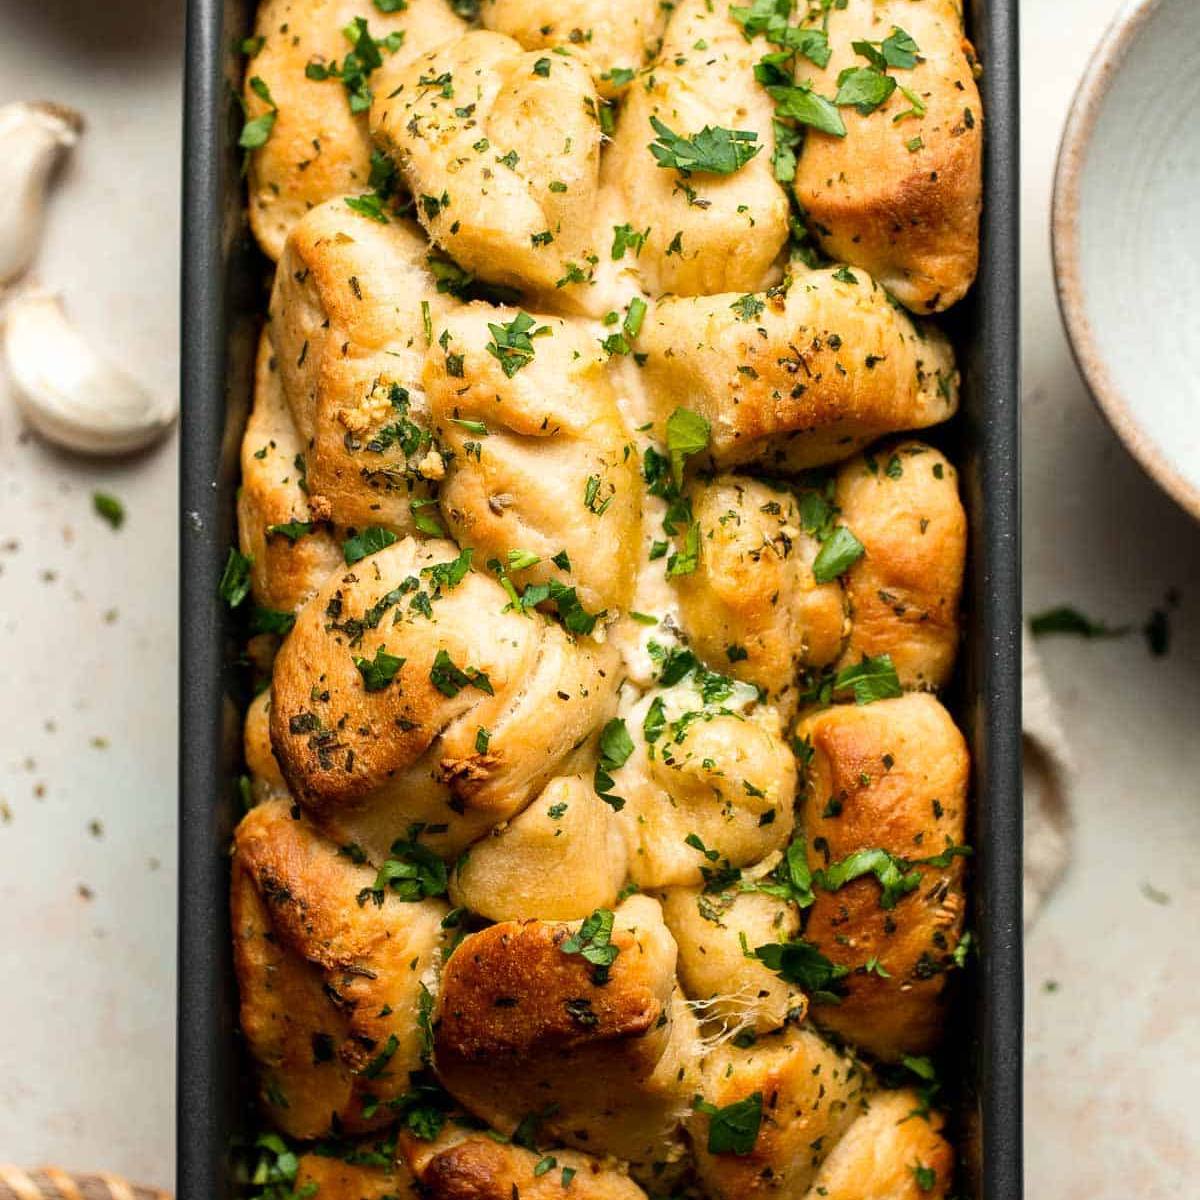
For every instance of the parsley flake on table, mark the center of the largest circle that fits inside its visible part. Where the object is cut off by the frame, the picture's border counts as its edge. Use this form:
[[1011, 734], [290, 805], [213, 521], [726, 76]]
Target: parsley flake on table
[[1065, 619], [109, 508]]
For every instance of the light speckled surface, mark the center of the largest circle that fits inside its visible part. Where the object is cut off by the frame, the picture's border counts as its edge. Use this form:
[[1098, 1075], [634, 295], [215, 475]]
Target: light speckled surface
[[1112, 1053], [87, 1009]]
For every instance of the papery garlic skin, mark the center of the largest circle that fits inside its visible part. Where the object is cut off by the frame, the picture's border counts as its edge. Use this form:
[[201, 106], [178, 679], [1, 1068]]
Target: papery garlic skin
[[34, 137], [66, 391]]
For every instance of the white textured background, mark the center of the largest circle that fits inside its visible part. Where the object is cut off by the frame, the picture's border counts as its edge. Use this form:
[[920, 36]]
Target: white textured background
[[87, 1002]]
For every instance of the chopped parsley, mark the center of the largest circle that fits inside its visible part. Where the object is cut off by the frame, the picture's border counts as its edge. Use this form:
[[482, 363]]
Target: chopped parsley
[[292, 530], [593, 942], [898, 49], [869, 680], [370, 206], [713, 151], [257, 130], [840, 551], [864, 89], [734, 1128], [450, 679], [446, 576], [687, 434], [748, 307], [615, 748], [801, 963], [635, 315], [425, 522], [686, 559], [867, 88], [356, 68], [270, 620], [411, 872], [512, 343], [235, 579], [792, 879], [378, 672], [422, 1110], [370, 541], [378, 1064], [926, 1177], [625, 237], [896, 876]]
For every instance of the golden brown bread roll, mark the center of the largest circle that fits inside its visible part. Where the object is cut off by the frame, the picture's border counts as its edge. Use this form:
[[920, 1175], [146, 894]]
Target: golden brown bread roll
[[712, 927], [503, 157], [808, 1093], [266, 779], [894, 1151], [349, 316], [900, 194], [705, 232], [463, 1165], [797, 377], [815, 1126], [538, 460], [901, 501], [890, 778], [330, 979], [291, 555], [614, 37], [542, 1018], [335, 1179], [710, 780], [753, 604], [482, 708], [560, 859], [318, 148]]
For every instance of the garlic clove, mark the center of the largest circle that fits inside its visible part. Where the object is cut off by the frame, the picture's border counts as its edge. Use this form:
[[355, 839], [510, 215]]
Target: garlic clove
[[34, 137], [66, 391]]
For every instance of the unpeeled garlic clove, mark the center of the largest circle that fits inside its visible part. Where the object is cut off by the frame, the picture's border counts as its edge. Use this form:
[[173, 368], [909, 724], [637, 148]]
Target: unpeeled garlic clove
[[34, 136], [66, 391]]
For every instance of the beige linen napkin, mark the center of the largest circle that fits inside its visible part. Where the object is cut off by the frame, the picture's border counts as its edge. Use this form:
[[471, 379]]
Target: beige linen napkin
[[1048, 770]]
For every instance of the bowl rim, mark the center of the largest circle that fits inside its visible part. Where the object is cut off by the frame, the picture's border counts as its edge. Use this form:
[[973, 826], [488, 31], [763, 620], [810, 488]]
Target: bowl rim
[[1105, 62]]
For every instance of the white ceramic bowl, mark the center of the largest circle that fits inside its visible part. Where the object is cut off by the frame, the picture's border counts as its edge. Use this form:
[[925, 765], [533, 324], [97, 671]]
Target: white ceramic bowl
[[1126, 230]]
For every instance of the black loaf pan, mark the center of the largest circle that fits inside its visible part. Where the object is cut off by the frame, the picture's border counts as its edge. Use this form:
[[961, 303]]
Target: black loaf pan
[[223, 302]]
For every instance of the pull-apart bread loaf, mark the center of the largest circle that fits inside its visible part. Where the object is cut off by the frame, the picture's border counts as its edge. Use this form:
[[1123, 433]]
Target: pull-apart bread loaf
[[605, 829]]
